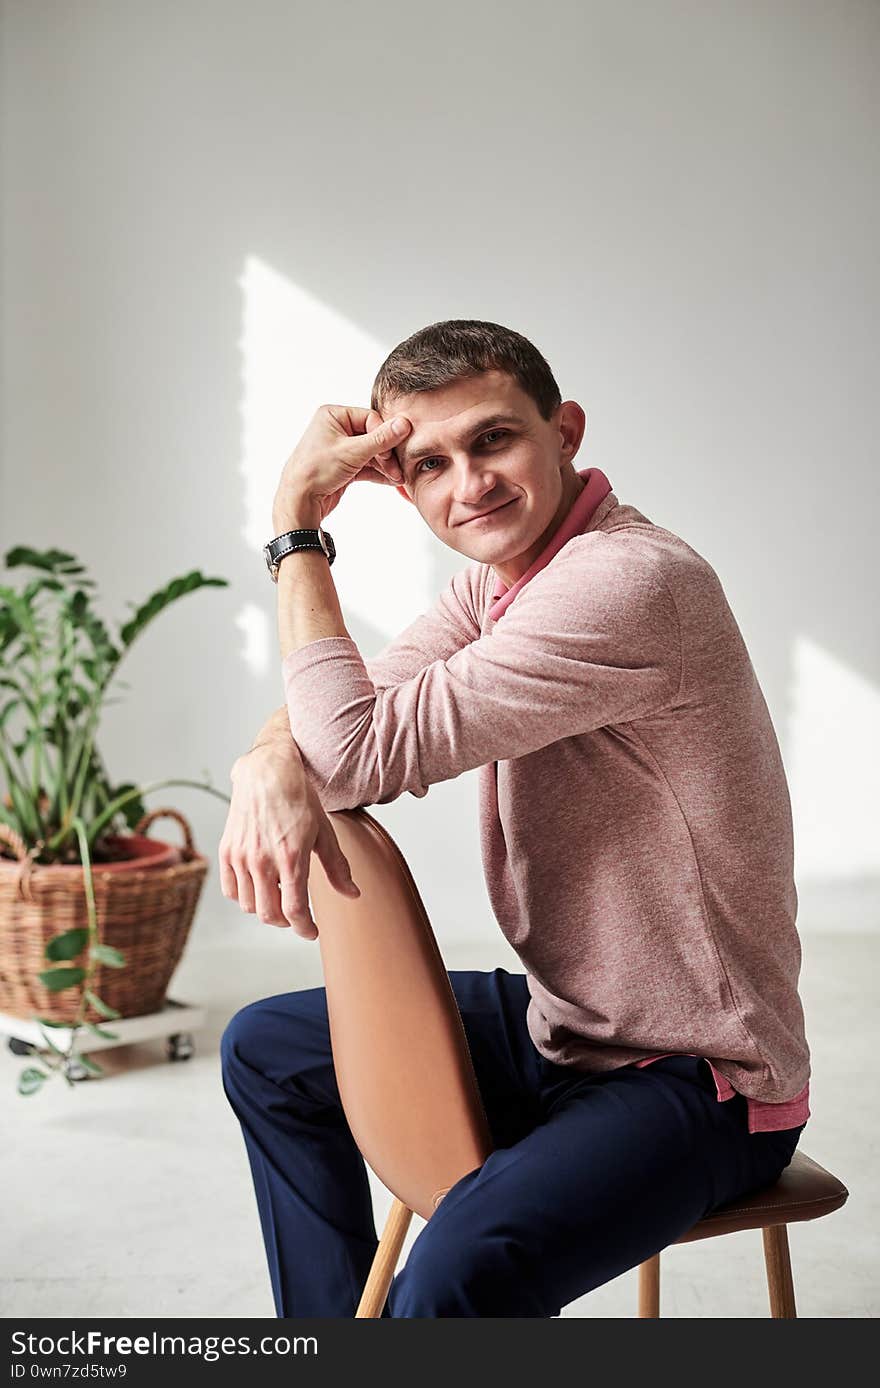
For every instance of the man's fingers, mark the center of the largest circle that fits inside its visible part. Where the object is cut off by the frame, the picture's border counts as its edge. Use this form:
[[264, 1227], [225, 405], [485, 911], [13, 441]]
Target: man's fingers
[[294, 886], [375, 421], [376, 474], [244, 887], [388, 468], [384, 456], [256, 888], [334, 861], [269, 907], [228, 883]]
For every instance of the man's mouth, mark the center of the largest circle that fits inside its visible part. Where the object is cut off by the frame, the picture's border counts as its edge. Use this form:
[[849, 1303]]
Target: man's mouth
[[488, 514]]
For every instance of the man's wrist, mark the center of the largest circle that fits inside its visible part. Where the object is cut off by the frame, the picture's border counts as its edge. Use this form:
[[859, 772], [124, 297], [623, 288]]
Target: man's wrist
[[275, 729], [272, 740], [272, 737], [272, 750], [298, 513]]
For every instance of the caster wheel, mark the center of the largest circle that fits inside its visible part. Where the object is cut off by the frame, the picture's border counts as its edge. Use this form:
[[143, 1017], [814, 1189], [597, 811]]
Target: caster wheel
[[180, 1046], [19, 1047]]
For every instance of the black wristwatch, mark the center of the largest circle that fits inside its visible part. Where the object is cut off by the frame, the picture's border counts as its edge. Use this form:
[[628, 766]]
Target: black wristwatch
[[291, 540]]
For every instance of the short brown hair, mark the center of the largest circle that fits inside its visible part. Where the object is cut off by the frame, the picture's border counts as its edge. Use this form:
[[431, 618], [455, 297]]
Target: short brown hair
[[461, 347]]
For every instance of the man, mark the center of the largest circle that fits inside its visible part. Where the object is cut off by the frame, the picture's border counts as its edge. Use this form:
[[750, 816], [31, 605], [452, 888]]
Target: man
[[651, 1062]]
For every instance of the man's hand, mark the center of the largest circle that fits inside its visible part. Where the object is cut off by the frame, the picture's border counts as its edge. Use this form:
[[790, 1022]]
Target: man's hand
[[275, 822], [339, 447]]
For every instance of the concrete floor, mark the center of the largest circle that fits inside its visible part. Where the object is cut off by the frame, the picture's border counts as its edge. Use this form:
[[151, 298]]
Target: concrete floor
[[131, 1195]]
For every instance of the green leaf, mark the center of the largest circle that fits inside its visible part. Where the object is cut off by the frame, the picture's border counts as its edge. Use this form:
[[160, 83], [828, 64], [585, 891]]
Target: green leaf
[[47, 1022], [36, 558], [25, 810], [58, 979], [90, 1064], [9, 708], [102, 1031], [163, 597], [100, 1006], [29, 1080], [68, 945], [106, 954], [134, 809]]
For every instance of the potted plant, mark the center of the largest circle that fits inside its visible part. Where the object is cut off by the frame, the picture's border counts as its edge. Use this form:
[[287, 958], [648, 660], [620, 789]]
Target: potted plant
[[93, 914]]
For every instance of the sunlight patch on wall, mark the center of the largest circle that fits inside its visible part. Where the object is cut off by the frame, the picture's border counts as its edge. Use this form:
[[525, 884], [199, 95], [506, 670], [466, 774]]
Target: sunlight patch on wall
[[259, 639], [834, 753], [298, 354]]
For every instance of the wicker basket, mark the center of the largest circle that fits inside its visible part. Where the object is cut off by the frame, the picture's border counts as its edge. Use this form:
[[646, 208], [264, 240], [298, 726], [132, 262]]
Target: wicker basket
[[145, 911]]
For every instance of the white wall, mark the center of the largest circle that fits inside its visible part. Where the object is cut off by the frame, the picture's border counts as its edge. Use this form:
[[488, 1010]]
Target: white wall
[[216, 216]]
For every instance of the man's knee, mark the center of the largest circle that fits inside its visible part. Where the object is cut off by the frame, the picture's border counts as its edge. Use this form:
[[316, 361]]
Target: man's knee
[[453, 1274], [431, 1282], [236, 1042], [259, 1030]]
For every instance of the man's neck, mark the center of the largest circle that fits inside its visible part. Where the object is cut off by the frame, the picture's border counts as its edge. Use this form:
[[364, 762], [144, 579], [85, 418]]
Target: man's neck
[[511, 571]]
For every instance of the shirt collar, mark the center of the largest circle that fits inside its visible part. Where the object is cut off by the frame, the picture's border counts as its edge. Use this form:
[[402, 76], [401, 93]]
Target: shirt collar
[[584, 515]]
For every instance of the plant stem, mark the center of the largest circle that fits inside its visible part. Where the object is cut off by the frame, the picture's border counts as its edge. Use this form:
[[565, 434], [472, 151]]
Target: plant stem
[[97, 824]]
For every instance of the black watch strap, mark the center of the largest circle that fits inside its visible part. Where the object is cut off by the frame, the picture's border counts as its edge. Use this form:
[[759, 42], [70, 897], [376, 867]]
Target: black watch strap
[[292, 540]]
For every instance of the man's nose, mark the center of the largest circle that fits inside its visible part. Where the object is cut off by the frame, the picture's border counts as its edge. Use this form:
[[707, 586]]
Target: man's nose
[[473, 481]]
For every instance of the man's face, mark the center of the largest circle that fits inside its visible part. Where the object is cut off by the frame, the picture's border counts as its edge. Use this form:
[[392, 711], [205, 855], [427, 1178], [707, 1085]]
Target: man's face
[[481, 444]]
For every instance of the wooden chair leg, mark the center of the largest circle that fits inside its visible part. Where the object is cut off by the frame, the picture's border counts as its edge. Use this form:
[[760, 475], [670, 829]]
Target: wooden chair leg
[[385, 1262], [649, 1287], [778, 1264]]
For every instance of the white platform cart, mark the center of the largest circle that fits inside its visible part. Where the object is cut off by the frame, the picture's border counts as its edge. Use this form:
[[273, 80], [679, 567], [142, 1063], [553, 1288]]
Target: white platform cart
[[176, 1021]]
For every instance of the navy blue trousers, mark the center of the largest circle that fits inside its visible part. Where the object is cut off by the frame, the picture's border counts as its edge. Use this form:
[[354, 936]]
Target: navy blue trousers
[[592, 1173]]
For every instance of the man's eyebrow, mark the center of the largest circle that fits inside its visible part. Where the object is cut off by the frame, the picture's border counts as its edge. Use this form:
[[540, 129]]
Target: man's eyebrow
[[425, 450]]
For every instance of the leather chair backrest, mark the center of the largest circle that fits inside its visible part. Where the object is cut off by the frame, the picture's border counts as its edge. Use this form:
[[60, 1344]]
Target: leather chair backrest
[[400, 1052]]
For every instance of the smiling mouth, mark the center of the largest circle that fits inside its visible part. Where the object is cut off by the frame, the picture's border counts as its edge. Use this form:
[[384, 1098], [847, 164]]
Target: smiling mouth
[[486, 514]]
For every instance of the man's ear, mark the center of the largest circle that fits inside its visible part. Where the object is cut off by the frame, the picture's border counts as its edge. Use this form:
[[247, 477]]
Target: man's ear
[[405, 493]]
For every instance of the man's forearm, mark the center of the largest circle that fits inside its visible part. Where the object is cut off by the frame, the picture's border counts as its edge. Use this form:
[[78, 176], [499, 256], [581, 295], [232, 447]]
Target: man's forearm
[[309, 612], [308, 604]]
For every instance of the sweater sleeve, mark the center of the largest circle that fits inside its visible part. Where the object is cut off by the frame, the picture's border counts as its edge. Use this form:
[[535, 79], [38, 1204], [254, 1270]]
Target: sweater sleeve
[[592, 639], [436, 635]]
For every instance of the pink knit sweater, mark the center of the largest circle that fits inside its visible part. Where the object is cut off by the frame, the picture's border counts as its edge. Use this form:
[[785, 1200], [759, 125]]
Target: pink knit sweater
[[635, 821]]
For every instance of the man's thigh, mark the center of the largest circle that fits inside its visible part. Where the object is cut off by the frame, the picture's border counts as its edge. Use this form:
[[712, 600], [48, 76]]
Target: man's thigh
[[493, 1008], [286, 1037], [619, 1167]]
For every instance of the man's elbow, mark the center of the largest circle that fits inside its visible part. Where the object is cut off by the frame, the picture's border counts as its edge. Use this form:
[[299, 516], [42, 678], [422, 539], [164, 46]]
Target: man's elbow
[[344, 790], [348, 792]]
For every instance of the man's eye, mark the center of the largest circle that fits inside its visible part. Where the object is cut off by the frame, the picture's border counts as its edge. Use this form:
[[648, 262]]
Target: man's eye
[[499, 432]]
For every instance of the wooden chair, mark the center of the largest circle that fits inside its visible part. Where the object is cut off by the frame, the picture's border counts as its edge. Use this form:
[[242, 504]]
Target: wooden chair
[[805, 1190], [408, 1087]]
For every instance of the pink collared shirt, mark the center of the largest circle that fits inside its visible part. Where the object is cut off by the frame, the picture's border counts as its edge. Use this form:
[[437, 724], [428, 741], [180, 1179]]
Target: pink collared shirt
[[635, 823], [763, 1117]]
